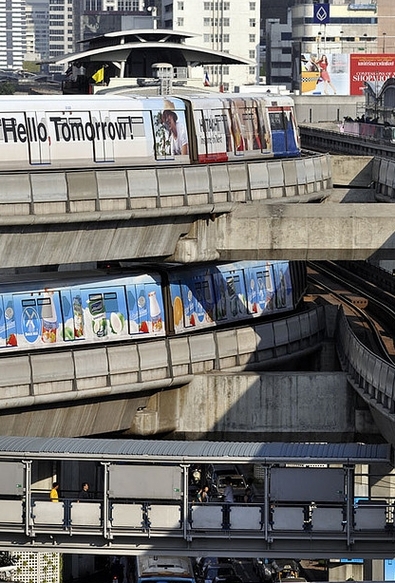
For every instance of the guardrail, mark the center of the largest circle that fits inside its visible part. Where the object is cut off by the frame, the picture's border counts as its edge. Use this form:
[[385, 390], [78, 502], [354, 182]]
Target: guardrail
[[383, 177], [52, 376], [325, 140], [136, 189], [111, 519], [372, 377]]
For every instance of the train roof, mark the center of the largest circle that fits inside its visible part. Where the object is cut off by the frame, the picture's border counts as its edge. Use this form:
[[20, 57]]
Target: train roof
[[66, 102]]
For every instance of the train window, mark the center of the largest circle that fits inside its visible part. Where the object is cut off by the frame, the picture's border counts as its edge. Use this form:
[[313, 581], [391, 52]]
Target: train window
[[276, 120], [44, 301], [133, 126], [28, 303]]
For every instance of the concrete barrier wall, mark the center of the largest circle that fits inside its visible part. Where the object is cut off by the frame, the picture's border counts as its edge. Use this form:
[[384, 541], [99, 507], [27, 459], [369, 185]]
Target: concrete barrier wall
[[108, 190], [95, 371], [384, 177], [372, 377]]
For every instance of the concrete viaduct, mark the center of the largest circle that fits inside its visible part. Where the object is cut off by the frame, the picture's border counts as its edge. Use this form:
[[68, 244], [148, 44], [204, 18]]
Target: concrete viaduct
[[276, 209]]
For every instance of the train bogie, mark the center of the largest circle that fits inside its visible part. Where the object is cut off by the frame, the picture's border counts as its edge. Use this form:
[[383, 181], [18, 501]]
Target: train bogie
[[64, 132]]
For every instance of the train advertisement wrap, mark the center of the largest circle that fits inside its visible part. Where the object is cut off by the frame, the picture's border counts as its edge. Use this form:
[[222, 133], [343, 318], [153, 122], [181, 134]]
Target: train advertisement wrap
[[101, 131], [101, 307], [109, 310], [230, 293]]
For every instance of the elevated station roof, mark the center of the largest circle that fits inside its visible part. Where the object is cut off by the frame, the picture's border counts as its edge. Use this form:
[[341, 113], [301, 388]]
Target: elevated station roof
[[186, 452], [149, 46]]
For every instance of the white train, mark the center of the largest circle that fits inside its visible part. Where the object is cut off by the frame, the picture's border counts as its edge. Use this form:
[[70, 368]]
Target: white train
[[71, 131]]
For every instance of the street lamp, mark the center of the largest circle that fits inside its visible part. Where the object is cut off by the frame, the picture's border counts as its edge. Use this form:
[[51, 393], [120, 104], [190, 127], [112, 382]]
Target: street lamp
[[341, 41], [318, 44], [153, 10], [384, 35], [365, 36]]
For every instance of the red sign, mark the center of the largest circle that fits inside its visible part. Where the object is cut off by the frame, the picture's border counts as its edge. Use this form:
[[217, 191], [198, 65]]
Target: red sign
[[374, 68]]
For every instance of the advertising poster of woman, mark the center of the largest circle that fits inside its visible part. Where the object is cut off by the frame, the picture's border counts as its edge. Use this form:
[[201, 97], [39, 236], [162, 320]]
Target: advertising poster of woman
[[325, 74]]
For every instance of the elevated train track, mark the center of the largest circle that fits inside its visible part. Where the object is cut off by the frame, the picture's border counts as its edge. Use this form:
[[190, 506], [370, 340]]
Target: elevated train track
[[373, 307], [321, 139]]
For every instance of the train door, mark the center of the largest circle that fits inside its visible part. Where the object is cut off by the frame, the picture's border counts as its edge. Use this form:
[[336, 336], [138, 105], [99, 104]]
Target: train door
[[24, 138], [230, 294], [73, 315], [102, 140], [38, 319], [254, 131], [237, 116], [260, 289], [145, 308], [282, 285], [197, 299], [213, 132], [39, 142], [104, 312], [291, 132]]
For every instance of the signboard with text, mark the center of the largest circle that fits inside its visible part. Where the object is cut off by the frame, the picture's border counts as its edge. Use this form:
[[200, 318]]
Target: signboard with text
[[343, 74], [374, 68]]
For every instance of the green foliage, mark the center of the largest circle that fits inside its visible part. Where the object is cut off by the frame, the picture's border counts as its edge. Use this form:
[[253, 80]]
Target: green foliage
[[7, 88]]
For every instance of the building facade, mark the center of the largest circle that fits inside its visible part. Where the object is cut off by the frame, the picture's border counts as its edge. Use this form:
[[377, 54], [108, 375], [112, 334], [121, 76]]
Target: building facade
[[228, 26], [37, 30], [12, 34]]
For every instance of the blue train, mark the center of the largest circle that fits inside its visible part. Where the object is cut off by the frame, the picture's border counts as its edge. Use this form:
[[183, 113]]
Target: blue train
[[104, 305], [71, 131]]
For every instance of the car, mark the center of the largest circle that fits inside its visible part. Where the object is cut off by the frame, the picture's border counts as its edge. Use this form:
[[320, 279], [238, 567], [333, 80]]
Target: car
[[220, 573], [263, 569], [216, 479]]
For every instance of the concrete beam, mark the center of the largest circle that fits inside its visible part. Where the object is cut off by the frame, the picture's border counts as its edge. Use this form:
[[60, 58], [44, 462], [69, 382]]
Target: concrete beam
[[293, 231]]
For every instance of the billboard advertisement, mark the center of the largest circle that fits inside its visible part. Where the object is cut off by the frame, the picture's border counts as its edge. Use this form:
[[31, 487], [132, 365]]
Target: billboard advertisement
[[374, 68], [343, 74]]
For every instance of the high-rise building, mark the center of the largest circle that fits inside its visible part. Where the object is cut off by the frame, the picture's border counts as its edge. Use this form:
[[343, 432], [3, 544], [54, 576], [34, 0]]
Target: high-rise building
[[228, 26], [61, 31], [37, 33], [386, 26], [352, 27], [12, 34]]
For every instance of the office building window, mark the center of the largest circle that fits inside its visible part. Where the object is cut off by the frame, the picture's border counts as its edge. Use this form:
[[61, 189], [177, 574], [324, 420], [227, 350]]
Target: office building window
[[180, 5], [252, 38], [252, 22], [252, 5], [180, 22], [251, 54]]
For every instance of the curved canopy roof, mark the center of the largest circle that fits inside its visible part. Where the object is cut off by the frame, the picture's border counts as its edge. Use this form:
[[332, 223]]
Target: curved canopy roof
[[150, 46]]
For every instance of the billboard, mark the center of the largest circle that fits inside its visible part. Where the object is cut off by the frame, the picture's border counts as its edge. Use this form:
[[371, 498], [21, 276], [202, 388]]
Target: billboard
[[374, 68], [325, 74], [343, 74]]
